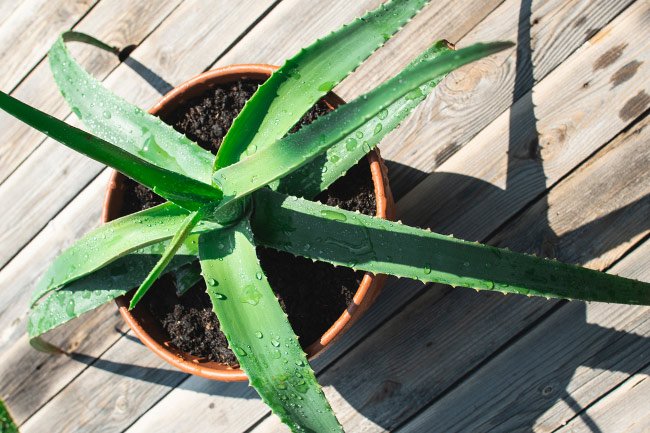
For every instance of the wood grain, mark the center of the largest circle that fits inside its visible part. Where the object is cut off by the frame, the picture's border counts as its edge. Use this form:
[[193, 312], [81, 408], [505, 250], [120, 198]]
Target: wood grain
[[28, 31], [116, 22], [569, 129], [366, 399], [546, 33]]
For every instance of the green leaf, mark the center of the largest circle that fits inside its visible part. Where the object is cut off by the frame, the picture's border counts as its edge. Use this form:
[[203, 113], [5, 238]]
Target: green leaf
[[319, 174], [101, 286], [186, 277], [113, 240], [361, 242], [121, 123], [258, 330], [294, 150], [180, 189], [174, 244], [293, 89], [7, 425]]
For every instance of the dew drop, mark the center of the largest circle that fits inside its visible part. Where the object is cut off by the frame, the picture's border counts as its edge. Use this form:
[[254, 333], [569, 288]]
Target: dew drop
[[106, 114], [351, 143], [359, 134], [239, 351], [378, 128], [413, 94], [212, 282], [427, 269], [258, 275], [275, 343], [383, 114], [326, 86], [333, 215], [258, 334]]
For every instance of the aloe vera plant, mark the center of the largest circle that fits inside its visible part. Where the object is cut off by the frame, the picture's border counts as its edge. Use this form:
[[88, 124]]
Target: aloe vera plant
[[257, 191]]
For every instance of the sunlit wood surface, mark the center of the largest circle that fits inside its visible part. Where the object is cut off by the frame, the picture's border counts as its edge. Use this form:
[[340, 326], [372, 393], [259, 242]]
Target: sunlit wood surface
[[544, 148]]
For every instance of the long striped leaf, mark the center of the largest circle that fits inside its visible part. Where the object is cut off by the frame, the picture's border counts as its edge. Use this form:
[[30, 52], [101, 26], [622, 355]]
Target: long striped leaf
[[375, 245], [319, 174], [178, 188], [294, 150], [259, 332], [121, 123], [101, 286], [112, 241], [292, 90]]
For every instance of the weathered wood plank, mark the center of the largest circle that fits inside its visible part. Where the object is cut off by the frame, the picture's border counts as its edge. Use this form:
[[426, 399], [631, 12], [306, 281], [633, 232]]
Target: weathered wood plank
[[52, 164], [81, 215], [29, 29], [625, 410], [566, 363], [116, 22], [415, 356], [506, 154], [546, 33], [29, 378], [88, 407]]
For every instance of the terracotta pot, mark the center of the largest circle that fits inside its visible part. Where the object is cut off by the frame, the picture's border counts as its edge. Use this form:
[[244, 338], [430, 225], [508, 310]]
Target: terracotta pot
[[143, 324]]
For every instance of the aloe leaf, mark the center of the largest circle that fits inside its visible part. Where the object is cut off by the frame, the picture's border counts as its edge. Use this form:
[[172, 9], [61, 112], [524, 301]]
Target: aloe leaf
[[174, 244], [294, 88], [379, 246], [7, 425], [294, 150], [259, 332], [121, 123], [186, 277], [319, 174], [180, 189], [113, 240], [101, 286]]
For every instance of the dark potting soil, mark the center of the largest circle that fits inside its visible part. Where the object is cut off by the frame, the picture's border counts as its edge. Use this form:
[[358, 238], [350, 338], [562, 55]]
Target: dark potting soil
[[312, 294]]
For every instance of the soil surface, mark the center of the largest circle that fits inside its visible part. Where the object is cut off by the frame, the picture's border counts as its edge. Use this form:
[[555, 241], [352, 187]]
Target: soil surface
[[312, 294]]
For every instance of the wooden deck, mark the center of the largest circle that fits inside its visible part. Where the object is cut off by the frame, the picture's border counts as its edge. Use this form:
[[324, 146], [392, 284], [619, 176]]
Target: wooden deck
[[544, 148]]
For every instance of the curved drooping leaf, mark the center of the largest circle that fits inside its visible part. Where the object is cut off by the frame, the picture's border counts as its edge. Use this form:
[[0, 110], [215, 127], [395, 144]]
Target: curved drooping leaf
[[121, 123], [113, 240], [174, 244], [259, 332], [291, 152], [316, 176], [178, 188], [375, 245], [101, 286], [292, 90]]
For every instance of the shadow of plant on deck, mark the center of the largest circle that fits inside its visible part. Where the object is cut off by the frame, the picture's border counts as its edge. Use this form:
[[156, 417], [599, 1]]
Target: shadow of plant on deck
[[606, 344]]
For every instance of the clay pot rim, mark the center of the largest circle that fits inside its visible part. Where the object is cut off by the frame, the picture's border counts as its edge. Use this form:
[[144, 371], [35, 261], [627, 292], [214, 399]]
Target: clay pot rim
[[366, 292]]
